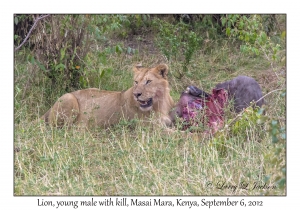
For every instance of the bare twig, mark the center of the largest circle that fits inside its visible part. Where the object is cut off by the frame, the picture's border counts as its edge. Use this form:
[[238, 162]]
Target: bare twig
[[241, 113], [268, 94], [33, 26]]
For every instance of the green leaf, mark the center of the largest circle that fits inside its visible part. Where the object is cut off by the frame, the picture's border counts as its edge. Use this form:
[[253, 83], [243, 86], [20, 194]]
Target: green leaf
[[274, 131], [274, 122], [260, 111], [281, 183], [233, 19], [16, 20], [103, 58], [83, 81], [32, 60], [129, 50], [247, 38], [228, 32], [60, 66], [241, 24], [274, 139], [283, 35], [283, 170], [278, 150], [102, 73], [144, 17], [260, 121], [267, 178], [108, 71], [41, 66], [229, 24], [62, 53], [243, 48], [263, 37], [223, 21], [119, 49]]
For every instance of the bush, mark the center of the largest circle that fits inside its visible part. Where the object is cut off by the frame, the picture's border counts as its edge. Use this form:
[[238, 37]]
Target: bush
[[177, 40], [253, 31], [59, 43]]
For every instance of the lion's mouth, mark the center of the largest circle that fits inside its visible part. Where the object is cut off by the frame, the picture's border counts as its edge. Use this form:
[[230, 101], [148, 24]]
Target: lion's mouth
[[146, 104]]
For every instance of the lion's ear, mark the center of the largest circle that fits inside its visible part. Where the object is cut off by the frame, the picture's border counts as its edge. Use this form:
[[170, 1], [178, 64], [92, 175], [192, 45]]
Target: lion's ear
[[162, 69], [137, 67]]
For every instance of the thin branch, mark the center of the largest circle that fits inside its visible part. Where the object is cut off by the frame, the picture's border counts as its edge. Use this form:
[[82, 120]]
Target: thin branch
[[34, 25], [268, 94], [241, 113]]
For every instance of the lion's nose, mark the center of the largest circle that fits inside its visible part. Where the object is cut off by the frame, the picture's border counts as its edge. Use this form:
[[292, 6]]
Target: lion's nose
[[137, 95]]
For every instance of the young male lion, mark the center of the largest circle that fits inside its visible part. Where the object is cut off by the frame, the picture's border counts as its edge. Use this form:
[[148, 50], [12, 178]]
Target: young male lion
[[94, 107]]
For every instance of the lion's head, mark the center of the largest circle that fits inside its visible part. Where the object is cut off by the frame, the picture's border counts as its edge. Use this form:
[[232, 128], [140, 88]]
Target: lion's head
[[151, 88], [150, 92]]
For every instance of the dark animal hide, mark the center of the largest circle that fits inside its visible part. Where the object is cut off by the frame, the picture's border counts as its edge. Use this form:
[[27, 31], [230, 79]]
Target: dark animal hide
[[242, 90]]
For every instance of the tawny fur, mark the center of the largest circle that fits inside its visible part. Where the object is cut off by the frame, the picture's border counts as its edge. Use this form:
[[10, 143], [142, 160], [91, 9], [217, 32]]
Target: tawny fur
[[93, 107]]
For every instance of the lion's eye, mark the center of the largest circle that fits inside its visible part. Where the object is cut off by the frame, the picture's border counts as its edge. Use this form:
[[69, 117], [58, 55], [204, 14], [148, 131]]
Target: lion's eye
[[135, 82], [148, 81]]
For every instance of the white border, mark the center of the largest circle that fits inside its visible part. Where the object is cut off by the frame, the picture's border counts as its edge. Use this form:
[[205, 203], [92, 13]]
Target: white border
[[8, 201]]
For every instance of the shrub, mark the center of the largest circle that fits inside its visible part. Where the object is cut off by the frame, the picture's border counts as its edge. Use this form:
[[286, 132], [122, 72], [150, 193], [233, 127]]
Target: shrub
[[177, 40], [59, 43], [253, 31]]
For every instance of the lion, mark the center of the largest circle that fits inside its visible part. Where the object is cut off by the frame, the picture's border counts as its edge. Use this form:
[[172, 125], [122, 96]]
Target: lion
[[93, 107]]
